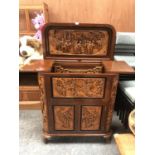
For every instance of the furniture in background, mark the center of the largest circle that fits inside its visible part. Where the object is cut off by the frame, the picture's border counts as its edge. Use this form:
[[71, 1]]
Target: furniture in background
[[26, 13], [78, 91], [125, 51], [29, 95], [125, 143], [125, 100]]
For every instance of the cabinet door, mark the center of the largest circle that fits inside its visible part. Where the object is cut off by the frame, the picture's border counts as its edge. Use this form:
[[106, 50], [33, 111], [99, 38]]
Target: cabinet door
[[63, 117], [90, 117]]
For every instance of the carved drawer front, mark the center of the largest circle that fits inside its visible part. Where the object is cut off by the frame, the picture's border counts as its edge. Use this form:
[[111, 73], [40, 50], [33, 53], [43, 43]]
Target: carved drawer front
[[79, 87], [64, 117], [91, 116]]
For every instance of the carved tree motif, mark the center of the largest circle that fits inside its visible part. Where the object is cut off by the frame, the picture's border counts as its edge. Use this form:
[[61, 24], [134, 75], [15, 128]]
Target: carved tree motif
[[78, 87], [91, 117], [43, 102], [63, 117], [112, 101]]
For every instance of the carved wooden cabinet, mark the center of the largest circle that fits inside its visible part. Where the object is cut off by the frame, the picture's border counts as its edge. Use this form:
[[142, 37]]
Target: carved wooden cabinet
[[77, 91]]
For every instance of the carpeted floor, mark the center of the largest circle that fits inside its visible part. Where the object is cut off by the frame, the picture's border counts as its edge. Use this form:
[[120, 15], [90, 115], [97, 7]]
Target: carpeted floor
[[30, 138]]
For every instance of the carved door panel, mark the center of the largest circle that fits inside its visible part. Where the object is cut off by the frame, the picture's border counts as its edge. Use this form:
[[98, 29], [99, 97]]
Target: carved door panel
[[64, 117], [90, 117]]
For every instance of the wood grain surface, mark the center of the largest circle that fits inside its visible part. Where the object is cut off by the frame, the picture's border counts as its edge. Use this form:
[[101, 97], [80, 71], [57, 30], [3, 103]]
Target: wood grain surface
[[121, 14], [120, 67], [125, 143]]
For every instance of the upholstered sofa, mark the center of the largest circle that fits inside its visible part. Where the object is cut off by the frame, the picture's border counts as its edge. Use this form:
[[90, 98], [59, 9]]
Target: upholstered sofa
[[125, 48]]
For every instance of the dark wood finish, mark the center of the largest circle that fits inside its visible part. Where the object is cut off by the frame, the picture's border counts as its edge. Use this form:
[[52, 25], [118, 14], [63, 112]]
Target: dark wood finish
[[77, 91], [58, 113], [78, 42]]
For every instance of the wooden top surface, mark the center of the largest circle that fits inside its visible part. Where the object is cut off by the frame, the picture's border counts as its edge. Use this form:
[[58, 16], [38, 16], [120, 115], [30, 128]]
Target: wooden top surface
[[125, 143], [120, 67], [37, 66]]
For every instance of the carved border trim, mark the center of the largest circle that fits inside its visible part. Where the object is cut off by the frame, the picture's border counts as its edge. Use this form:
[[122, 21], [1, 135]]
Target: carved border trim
[[111, 103], [43, 102], [61, 69]]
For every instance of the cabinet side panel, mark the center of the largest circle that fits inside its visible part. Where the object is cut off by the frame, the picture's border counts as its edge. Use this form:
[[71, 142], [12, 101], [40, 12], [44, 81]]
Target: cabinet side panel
[[44, 107]]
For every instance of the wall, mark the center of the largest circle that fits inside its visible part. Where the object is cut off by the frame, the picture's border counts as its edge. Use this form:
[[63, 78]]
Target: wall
[[120, 13]]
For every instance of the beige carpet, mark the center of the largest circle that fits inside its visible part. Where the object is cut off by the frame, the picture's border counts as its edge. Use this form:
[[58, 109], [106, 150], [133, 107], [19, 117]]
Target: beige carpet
[[30, 138]]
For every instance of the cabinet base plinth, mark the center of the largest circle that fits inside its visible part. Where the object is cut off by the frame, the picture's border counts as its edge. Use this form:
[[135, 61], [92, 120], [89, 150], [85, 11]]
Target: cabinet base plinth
[[106, 136]]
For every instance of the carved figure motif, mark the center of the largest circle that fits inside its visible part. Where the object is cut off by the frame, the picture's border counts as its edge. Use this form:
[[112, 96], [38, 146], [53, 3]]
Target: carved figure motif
[[78, 42], [63, 117], [90, 117], [78, 87]]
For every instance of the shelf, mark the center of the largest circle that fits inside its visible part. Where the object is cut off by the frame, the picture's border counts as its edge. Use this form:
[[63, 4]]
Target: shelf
[[35, 105]]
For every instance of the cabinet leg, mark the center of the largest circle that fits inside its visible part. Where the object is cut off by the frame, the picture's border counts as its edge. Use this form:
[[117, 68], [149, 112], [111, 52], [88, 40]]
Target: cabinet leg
[[107, 138], [45, 140]]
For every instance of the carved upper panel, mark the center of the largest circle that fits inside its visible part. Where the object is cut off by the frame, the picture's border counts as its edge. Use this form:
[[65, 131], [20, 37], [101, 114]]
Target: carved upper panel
[[78, 87], [78, 42]]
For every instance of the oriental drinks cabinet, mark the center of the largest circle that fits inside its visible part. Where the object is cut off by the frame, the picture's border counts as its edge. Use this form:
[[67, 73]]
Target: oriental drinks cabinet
[[77, 90]]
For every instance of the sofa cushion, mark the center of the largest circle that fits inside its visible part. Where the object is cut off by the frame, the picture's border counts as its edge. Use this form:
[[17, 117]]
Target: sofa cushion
[[125, 38], [130, 60]]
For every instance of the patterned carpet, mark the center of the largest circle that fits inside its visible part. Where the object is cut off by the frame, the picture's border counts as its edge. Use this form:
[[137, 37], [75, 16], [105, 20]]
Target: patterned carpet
[[30, 138]]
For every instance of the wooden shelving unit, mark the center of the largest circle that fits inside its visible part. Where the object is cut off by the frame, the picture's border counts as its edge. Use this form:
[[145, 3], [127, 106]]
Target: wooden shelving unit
[[29, 95], [26, 13]]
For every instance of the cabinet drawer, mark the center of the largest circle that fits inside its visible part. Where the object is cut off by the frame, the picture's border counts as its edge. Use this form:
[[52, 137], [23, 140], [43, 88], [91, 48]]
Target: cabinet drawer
[[29, 93]]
